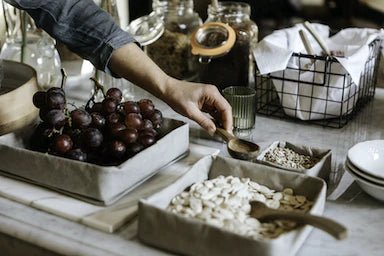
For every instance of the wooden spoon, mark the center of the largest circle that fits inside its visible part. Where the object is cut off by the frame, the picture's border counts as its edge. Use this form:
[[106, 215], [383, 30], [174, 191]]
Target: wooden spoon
[[238, 148], [261, 212], [317, 37]]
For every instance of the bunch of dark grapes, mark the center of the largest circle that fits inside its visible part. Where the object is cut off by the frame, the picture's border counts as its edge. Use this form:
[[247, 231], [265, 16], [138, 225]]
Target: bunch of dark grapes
[[105, 133]]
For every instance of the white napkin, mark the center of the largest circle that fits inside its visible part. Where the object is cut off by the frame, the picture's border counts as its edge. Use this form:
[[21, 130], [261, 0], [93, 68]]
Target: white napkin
[[274, 51], [305, 96]]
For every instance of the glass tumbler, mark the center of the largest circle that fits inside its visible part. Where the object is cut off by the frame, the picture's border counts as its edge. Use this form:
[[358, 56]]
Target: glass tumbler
[[243, 102]]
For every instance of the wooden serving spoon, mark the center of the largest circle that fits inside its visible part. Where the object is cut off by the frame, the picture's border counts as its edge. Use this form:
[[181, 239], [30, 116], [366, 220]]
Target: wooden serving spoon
[[261, 212], [238, 148]]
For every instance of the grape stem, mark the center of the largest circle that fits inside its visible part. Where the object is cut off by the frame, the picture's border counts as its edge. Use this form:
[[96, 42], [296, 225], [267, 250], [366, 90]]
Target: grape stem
[[64, 79], [98, 86], [72, 104], [54, 130]]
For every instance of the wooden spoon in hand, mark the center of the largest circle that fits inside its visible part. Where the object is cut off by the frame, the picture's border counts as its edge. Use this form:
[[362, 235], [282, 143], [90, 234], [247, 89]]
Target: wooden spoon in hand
[[238, 148]]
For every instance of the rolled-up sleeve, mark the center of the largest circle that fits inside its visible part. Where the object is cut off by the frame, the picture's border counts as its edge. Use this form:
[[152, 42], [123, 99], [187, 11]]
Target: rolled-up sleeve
[[85, 28]]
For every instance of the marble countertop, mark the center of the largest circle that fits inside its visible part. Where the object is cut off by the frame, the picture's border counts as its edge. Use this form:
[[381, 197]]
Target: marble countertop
[[28, 231]]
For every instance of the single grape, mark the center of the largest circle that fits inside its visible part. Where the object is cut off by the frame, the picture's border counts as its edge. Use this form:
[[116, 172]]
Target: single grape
[[128, 135], [40, 139], [81, 119], [134, 121], [40, 99], [54, 117], [109, 106], [56, 90], [131, 107], [114, 129], [146, 140], [113, 118], [147, 124], [98, 121], [75, 135], [149, 132], [55, 100], [146, 108], [134, 148], [115, 94], [91, 138], [97, 107], [157, 118], [116, 149], [42, 113], [77, 154], [146, 101], [62, 144]]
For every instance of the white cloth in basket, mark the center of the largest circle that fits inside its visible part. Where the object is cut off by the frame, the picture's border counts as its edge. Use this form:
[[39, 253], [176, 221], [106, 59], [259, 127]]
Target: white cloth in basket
[[307, 101]]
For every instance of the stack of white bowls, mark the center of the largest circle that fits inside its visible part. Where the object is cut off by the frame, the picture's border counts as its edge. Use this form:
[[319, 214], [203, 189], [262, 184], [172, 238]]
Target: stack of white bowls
[[365, 162]]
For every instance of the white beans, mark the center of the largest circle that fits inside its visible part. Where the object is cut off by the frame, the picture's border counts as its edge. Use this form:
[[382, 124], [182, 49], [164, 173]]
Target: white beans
[[224, 202]]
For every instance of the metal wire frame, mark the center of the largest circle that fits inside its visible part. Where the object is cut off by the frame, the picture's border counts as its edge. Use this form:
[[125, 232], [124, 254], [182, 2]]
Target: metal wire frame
[[270, 98]]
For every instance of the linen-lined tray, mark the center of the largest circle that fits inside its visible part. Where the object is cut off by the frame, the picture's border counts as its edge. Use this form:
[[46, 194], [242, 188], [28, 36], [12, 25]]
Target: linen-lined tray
[[106, 219], [97, 184]]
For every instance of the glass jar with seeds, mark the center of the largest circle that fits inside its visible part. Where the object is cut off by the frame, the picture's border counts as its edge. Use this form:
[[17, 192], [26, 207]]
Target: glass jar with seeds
[[172, 50]]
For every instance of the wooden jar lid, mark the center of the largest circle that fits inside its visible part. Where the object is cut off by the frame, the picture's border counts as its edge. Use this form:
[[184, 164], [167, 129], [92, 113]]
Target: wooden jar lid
[[212, 39]]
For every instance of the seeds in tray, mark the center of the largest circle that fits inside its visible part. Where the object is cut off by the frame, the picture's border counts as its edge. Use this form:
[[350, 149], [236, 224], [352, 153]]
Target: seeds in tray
[[224, 202], [289, 158]]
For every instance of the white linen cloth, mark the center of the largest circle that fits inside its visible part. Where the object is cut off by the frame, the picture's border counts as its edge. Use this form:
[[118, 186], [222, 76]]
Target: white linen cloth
[[274, 55]]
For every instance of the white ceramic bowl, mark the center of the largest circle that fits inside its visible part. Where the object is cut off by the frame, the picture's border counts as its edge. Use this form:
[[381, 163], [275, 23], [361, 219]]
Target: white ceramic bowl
[[374, 190], [369, 157], [364, 174]]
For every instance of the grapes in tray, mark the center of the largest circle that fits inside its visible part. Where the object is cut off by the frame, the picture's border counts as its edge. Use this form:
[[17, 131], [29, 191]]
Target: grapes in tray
[[105, 133]]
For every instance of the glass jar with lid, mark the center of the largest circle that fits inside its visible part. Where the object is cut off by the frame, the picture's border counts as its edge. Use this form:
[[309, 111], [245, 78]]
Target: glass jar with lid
[[172, 50], [235, 67]]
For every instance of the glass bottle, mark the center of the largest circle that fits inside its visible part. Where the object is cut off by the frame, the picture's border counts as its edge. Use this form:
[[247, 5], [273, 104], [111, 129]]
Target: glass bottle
[[103, 78], [172, 51], [236, 67], [26, 43]]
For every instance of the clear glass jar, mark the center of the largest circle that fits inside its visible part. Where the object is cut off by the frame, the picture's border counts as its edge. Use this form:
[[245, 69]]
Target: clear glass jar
[[27, 44], [106, 80], [236, 67], [172, 51]]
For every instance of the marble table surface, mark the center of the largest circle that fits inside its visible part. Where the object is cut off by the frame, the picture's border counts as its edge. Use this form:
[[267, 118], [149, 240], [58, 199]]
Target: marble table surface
[[28, 231]]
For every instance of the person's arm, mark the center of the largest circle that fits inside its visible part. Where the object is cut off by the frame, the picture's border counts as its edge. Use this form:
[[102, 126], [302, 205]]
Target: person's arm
[[85, 28], [92, 33], [186, 98]]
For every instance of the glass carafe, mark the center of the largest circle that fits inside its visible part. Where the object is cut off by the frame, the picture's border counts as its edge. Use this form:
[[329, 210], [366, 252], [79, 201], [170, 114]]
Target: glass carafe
[[172, 51], [236, 67], [103, 78], [28, 44]]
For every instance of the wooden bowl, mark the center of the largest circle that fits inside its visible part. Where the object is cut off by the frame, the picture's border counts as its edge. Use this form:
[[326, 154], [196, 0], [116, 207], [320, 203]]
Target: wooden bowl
[[16, 92]]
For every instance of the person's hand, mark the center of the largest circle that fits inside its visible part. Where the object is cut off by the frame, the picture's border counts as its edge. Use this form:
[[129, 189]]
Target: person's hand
[[192, 99], [188, 99]]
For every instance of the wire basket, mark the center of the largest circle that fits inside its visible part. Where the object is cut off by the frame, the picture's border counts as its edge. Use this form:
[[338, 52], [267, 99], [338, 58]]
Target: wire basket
[[323, 94]]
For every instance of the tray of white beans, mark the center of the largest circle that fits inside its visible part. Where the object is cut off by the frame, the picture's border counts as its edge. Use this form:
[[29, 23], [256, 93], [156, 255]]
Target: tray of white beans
[[206, 212], [225, 202]]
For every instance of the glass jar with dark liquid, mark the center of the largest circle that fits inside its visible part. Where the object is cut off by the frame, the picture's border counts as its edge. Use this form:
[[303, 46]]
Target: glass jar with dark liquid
[[233, 66]]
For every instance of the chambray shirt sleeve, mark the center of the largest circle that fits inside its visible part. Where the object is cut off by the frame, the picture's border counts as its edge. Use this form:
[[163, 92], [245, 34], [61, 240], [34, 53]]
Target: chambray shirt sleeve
[[85, 28]]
